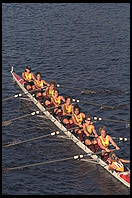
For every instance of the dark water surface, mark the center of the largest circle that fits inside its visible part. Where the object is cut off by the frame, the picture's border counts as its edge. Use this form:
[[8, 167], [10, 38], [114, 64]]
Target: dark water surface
[[83, 45]]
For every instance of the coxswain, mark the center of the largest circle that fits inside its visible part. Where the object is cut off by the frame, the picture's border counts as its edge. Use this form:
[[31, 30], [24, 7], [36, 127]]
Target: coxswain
[[78, 119], [28, 76], [56, 100], [90, 138], [116, 163], [40, 85], [67, 111], [49, 92], [104, 141]]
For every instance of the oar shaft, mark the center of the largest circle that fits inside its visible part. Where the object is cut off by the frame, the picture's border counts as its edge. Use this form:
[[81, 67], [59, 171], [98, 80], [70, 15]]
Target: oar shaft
[[36, 138], [15, 96], [23, 116], [75, 157], [6, 122], [110, 120], [49, 108], [19, 95], [88, 91], [95, 104], [121, 138], [124, 121], [116, 138], [38, 164], [32, 139], [63, 86]]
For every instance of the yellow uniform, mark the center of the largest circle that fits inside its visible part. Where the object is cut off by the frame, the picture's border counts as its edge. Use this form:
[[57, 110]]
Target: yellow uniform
[[89, 129], [28, 76], [39, 84], [78, 118], [68, 110], [50, 92], [57, 100], [119, 166], [106, 142]]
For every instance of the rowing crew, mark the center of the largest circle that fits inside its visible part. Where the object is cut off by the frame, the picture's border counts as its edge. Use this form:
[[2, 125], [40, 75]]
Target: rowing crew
[[72, 117]]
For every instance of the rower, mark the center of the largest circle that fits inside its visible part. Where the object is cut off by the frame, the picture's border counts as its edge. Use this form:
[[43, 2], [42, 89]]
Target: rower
[[28, 76], [67, 110], [104, 141], [49, 92], [56, 100], [116, 163], [40, 85], [78, 118], [89, 130]]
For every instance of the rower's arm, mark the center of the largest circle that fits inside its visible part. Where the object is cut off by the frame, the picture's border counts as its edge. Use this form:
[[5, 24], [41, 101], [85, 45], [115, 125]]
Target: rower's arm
[[100, 144], [72, 109], [125, 161], [62, 98], [111, 166], [46, 90], [94, 131], [52, 100], [33, 77], [113, 143], [63, 110], [74, 120], [85, 130], [35, 83], [45, 83], [23, 75], [84, 116]]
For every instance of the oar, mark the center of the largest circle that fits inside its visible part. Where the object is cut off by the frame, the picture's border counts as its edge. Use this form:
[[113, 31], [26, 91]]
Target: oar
[[79, 89], [110, 120], [31, 139], [75, 157], [36, 138], [27, 99], [20, 94], [49, 108], [7, 122], [14, 96], [96, 104], [88, 91], [124, 139]]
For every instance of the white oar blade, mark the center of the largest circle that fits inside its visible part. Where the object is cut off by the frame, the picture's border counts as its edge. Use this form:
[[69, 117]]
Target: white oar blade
[[6, 123]]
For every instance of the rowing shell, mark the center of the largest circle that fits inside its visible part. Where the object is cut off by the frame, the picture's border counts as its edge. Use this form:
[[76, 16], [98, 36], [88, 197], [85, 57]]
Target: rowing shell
[[122, 177]]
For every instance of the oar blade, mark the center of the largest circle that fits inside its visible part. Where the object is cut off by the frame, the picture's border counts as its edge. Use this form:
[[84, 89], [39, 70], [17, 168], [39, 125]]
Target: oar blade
[[6, 123], [88, 92]]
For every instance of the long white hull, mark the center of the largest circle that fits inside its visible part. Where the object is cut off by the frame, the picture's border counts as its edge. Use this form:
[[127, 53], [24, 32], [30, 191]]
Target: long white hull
[[117, 175]]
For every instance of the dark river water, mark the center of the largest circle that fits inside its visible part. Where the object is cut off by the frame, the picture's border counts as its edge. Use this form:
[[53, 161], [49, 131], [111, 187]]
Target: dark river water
[[81, 45]]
